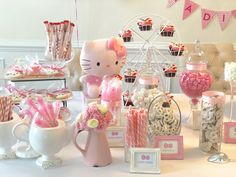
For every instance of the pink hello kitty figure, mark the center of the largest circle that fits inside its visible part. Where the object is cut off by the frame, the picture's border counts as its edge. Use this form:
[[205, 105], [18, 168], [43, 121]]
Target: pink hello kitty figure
[[99, 58]]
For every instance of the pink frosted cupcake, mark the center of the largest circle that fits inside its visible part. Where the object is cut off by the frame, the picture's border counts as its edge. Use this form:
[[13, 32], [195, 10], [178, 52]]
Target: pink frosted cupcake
[[170, 71], [130, 75], [145, 24], [176, 49], [167, 30], [126, 35]]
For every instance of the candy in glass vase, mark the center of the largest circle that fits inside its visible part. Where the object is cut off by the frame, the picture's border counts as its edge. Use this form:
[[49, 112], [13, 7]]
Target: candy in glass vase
[[194, 80]]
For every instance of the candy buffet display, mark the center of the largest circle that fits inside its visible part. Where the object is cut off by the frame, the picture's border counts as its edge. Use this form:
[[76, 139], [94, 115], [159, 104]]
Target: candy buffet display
[[94, 119], [59, 36], [99, 58]]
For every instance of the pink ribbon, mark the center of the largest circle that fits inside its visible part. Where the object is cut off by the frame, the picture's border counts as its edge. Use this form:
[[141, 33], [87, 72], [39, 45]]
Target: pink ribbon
[[213, 97], [196, 66], [119, 49]]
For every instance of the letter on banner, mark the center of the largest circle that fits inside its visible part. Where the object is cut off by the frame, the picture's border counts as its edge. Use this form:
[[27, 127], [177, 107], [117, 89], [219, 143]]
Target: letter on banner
[[189, 8], [207, 16], [224, 17], [234, 13]]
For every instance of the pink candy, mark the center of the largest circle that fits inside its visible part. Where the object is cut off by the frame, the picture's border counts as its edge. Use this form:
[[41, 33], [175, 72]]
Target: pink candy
[[194, 83]]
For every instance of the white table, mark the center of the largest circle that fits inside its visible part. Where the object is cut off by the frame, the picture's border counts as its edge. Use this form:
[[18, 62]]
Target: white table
[[194, 163]]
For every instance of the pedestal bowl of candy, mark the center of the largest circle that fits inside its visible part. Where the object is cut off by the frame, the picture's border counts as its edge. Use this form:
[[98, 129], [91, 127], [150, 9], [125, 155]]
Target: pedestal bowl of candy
[[195, 79]]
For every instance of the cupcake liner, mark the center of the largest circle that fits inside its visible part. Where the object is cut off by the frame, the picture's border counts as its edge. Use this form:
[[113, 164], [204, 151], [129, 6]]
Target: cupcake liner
[[145, 28]]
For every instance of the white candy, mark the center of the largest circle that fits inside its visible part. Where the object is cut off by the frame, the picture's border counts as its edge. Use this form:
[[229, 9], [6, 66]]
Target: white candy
[[230, 71]]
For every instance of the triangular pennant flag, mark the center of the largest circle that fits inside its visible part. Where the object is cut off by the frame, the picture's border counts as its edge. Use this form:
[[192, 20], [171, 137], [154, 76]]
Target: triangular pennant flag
[[234, 13], [171, 3], [189, 8], [207, 16], [224, 17]]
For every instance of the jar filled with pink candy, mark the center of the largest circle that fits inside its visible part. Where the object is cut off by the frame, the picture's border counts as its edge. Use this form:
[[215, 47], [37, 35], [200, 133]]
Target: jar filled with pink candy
[[196, 78]]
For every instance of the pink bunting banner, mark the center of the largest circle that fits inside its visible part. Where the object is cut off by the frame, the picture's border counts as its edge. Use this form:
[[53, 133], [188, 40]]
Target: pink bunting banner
[[189, 8], [171, 3], [224, 17], [207, 16], [234, 13]]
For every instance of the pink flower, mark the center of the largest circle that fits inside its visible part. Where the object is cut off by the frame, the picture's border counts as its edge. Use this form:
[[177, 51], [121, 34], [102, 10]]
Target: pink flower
[[93, 112]]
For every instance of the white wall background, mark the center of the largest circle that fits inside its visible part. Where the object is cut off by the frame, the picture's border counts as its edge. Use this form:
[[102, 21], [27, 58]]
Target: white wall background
[[21, 20]]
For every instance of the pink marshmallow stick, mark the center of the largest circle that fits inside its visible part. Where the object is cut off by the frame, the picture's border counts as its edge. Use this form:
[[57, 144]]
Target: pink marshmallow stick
[[42, 112], [44, 109], [52, 114], [42, 123]]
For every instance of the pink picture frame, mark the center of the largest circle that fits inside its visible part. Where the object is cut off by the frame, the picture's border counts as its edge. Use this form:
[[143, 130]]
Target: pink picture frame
[[230, 132], [171, 147]]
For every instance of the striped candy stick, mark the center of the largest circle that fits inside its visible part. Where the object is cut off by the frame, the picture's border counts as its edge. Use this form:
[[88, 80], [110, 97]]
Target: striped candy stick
[[9, 107], [1, 109]]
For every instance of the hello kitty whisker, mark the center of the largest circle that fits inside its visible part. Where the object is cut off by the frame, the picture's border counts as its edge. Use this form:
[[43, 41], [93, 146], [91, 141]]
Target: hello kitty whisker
[[86, 60], [87, 68]]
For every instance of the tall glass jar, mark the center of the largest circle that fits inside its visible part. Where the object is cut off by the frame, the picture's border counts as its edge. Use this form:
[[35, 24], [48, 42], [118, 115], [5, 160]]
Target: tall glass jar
[[195, 80], [212, 121]]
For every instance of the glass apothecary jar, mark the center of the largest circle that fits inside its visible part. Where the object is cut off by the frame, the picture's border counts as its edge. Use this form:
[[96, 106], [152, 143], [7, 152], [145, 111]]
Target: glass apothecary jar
[[212, 121], [164, 117]]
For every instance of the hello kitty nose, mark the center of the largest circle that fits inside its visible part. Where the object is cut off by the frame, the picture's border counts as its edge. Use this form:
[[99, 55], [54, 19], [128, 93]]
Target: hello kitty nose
[[107, 66]]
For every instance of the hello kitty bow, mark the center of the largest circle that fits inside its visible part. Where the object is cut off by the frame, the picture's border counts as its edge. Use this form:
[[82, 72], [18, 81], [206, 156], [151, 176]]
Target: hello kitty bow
[[115, 45]]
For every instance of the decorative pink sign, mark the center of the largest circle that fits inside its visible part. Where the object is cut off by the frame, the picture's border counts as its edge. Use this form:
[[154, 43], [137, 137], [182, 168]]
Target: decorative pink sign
[[189, 8], [230, 132], [115, 136], [207, 16], [224, 17], [171, 147]]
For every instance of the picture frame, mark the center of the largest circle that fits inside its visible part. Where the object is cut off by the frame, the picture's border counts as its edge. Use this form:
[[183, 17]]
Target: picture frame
[[230, 132], [171, 147], [115, 136], [145, 160]]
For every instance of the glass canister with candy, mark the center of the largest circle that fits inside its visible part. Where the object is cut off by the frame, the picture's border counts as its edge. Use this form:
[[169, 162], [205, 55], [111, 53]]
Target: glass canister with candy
[[194, 81], [212, 122], [144, 90], [164, 117]]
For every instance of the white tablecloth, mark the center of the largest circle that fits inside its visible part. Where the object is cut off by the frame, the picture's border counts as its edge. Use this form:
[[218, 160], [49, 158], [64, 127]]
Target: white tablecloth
[[194, 163]]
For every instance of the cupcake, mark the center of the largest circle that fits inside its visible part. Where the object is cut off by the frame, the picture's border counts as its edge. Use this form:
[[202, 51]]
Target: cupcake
[[127, 99], [145, 24], [170, 71], [130, 75], [176, 49], [126, 35], [167, 30]]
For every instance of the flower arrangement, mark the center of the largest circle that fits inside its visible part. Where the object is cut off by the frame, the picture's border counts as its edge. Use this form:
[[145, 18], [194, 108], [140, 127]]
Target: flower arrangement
[[96, 116]]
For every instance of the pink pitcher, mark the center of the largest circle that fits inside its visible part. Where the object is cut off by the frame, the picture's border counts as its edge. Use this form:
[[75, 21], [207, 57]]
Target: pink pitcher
[[97, 152]]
